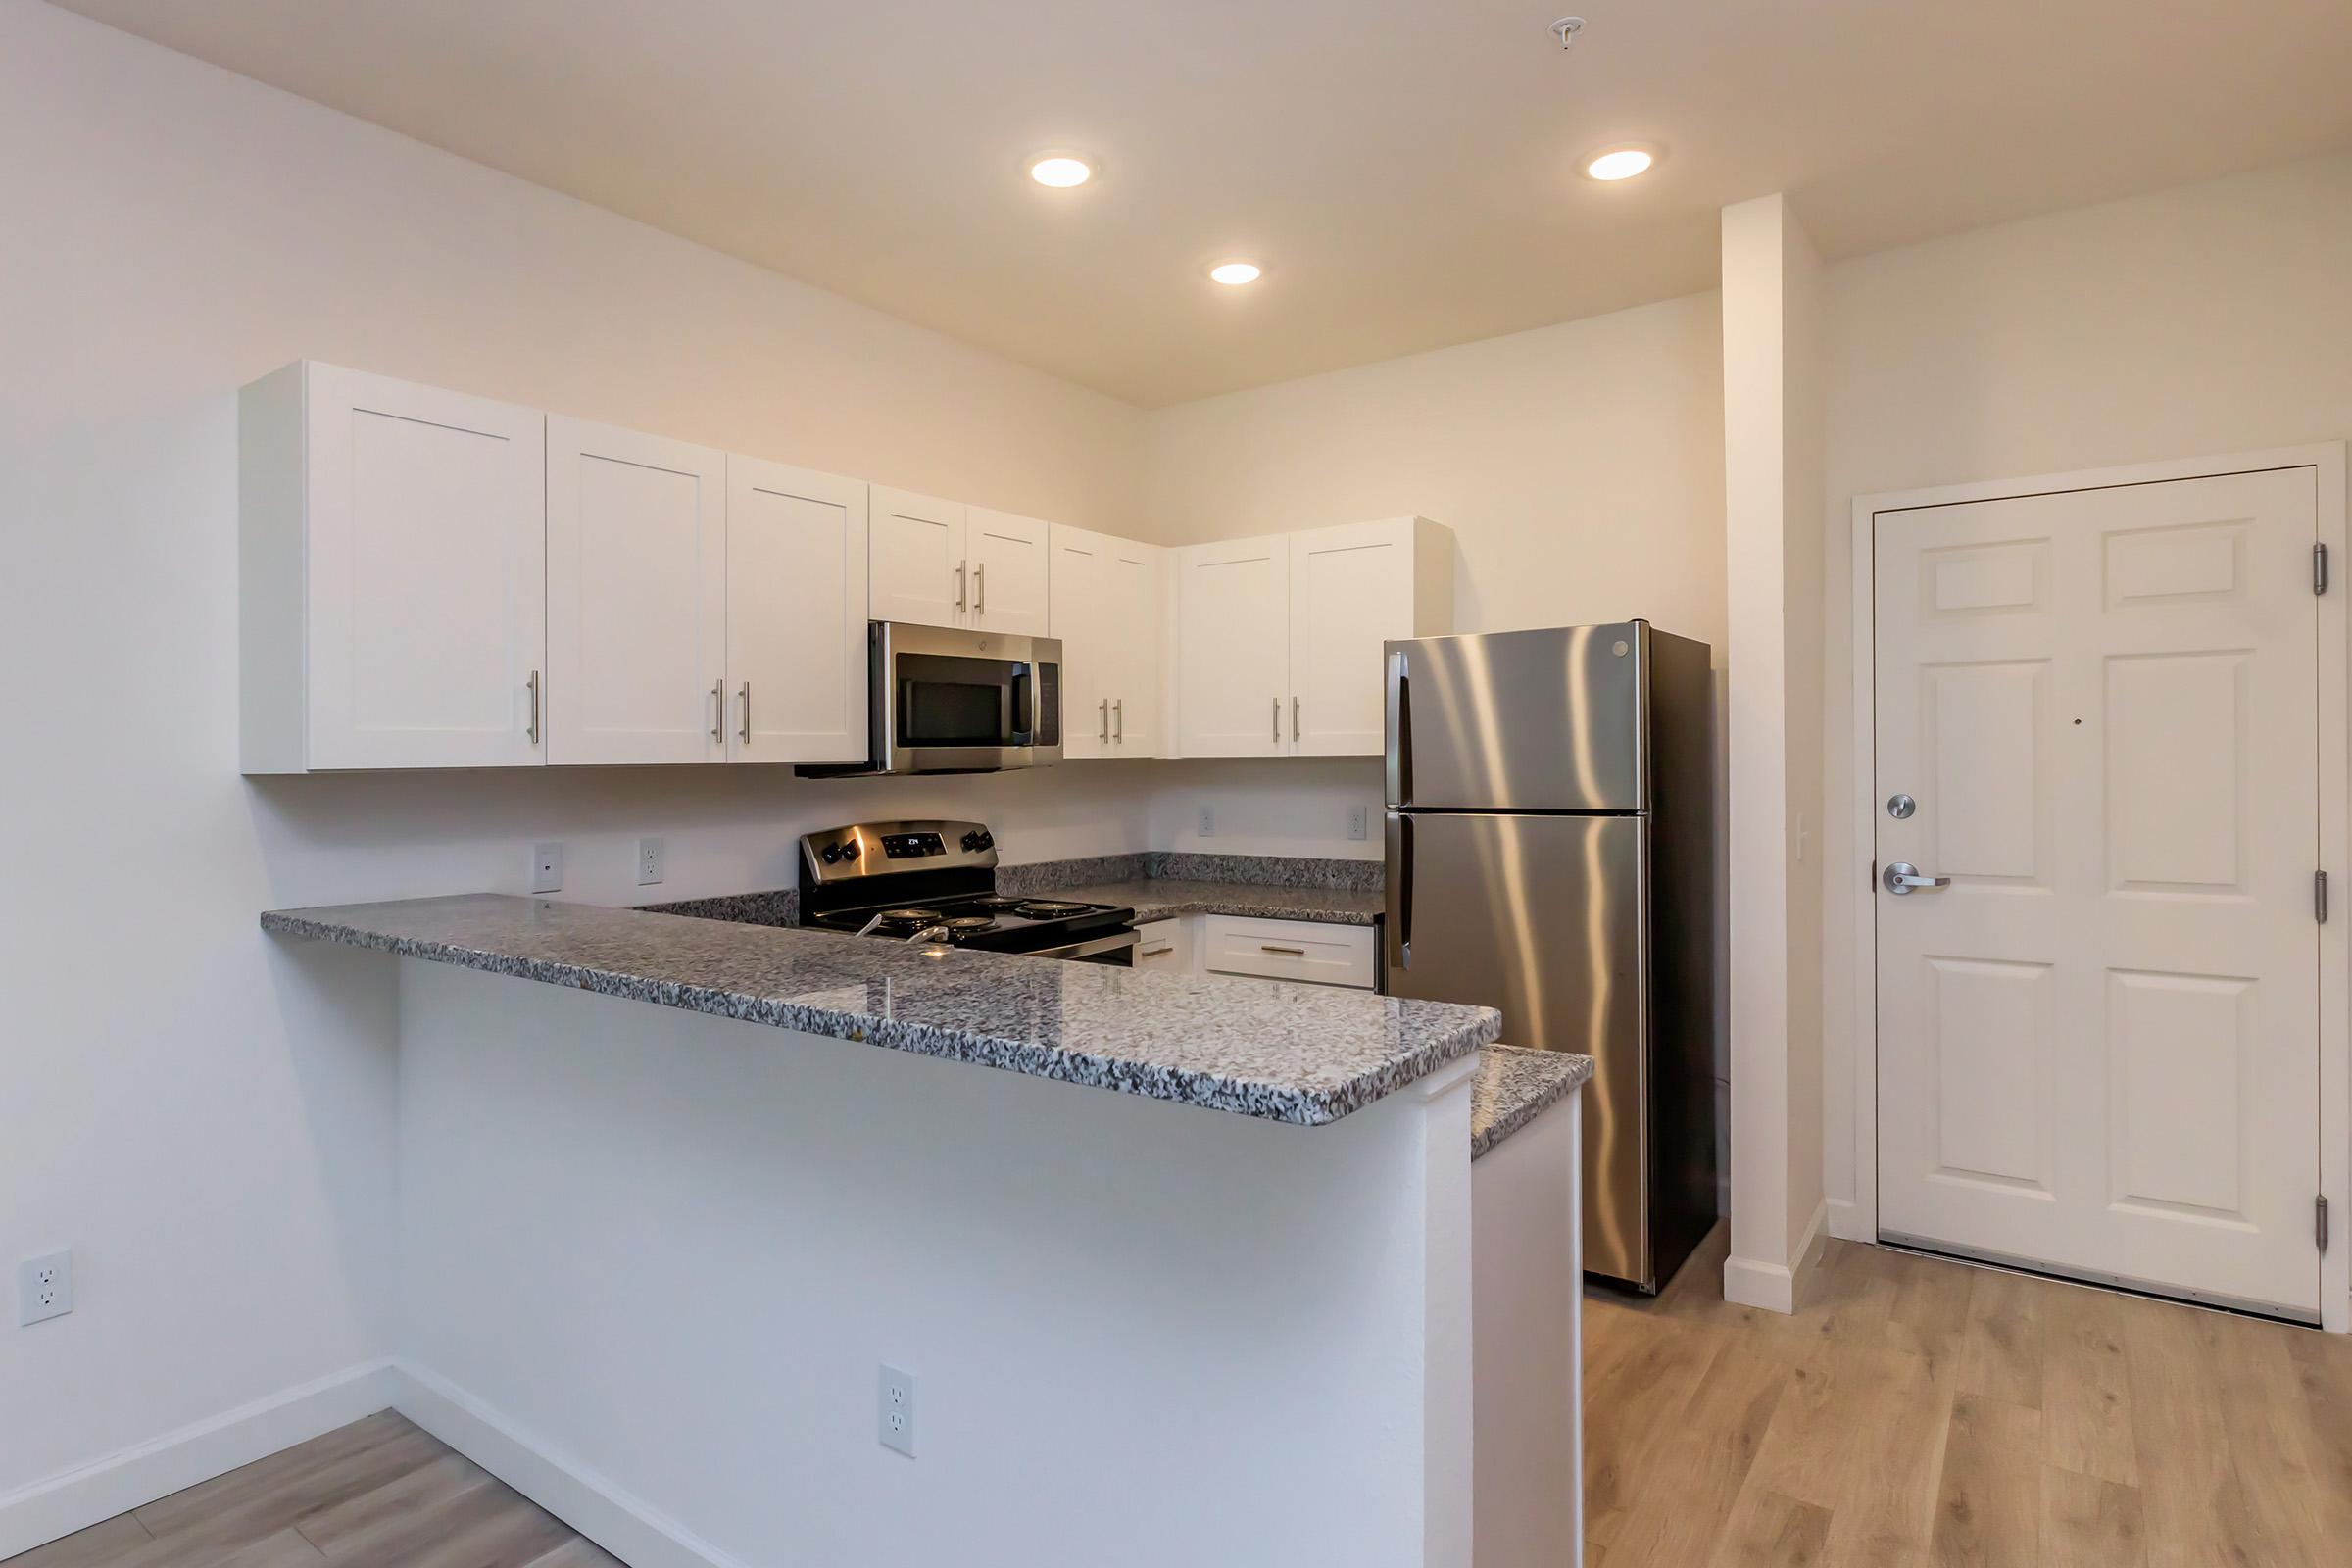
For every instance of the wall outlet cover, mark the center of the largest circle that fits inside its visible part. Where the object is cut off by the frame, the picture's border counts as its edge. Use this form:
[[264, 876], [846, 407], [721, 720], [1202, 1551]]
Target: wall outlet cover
[[653, 855], [547, 867], [893, 1411], [44, 1287], [1359, 821], [1209, 823]]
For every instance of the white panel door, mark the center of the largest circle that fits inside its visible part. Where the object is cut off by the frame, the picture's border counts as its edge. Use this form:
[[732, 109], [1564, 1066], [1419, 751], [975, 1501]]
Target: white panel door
[[1232, 648], [636, 596], [426, 575], [1010, 561], [1352, 590], [797, 667], [1135, 590], [1083, 620], [918, 571], [2098, 1046]]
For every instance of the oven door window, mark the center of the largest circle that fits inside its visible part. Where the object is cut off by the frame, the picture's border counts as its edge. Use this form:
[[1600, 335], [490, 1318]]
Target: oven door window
[[947, 701]]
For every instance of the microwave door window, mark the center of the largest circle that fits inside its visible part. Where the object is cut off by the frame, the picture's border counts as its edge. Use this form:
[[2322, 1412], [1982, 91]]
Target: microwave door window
[[951, 713]]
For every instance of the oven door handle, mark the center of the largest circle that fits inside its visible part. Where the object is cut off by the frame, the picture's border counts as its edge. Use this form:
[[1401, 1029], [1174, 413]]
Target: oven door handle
[[1091, 947]]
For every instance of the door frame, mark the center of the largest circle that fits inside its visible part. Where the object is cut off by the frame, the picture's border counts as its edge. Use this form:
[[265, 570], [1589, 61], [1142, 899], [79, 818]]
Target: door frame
[[1855, 1216]]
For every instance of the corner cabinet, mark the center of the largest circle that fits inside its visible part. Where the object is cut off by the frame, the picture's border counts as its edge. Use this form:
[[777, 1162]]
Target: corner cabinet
[[1108, 599], [392, 575], [1278, 638]]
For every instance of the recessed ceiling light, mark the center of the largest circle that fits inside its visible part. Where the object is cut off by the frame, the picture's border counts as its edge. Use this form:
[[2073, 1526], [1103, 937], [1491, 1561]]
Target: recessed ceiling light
[[1061, 169], [1619, 163], [1234, 271]]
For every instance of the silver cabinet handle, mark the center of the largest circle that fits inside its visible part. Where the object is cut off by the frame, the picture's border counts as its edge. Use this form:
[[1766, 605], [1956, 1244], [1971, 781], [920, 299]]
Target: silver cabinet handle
[[980, 589], [1153, 952], [1902, 878], [746, 712], [533, 729], [1278, 721], [1294, 952], [1104, 705], [1119, 712], [719, 709], [959, 585], [1293, 718]]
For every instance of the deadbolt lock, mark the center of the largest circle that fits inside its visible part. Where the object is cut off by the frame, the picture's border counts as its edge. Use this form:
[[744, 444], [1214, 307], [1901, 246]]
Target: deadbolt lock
[[1900, 807]]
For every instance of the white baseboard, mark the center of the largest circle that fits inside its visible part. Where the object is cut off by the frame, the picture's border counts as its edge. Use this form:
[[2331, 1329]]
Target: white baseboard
[[73, 1500], [1845, 1219], [1778, 1287], [623, 1524]]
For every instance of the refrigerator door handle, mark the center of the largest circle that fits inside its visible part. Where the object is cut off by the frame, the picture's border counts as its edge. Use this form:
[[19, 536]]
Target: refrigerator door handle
[[1399, 719], [1401, 889]]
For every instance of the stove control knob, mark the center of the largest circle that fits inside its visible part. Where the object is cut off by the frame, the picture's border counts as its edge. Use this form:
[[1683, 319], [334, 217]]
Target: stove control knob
[[849, 851], [832, 855], [988, 840], [971, 841]]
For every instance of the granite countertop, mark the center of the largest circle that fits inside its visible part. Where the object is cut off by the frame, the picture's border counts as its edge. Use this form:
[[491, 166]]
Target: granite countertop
[[1514, 1086], [1164, 898], [1303, 1054]]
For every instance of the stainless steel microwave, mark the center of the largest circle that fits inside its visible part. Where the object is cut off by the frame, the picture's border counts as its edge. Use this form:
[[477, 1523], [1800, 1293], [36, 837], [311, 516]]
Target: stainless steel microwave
[[946, 699]]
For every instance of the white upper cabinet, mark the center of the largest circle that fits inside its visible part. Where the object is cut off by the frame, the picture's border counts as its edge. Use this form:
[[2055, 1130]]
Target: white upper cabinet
[[1232, 648], [636, 596], [392, 545], [797, 554], [1107, 598], [919, 571], [1009, 559], [1279, 639], [1353, 588]]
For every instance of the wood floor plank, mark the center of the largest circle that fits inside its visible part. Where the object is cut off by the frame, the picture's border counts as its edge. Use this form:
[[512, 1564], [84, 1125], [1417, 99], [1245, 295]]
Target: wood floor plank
[[581, 1552], [1899, 1419], [98, 1546], [1643, 1396], [1709, 1449], [280, 1475], [277, 1500], [2178, 1442], [2089, 1523], [1989, 1506], [2086, 1386], [1769, 1530], [2286, 1510], [285, 1548], [399, 1510], [1930, 1317], [2000, 1352]]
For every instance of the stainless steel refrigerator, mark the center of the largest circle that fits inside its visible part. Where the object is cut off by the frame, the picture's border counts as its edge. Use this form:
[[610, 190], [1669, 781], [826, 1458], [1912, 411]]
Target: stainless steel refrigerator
[[1550, 853]]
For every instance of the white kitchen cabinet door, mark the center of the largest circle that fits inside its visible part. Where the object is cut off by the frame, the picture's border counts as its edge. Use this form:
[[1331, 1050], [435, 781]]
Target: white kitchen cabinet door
[[636, 596], [1010, 562], [1079, 618], [797, 555], [1171, 946], [1353, 588], [393, 574], [1135, 594], [1232, 648], [917, 561]]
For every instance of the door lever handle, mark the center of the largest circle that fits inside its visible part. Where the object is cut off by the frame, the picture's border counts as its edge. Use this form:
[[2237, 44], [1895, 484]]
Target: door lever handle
[[1902, 879]]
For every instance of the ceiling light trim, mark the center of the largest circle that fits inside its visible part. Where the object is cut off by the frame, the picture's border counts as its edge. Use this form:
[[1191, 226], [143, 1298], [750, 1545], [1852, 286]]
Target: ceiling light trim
[[1649, 152]]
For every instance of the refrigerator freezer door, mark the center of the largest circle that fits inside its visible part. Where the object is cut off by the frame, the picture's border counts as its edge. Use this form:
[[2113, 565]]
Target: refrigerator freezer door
[[1546, 918], [1547, 720]]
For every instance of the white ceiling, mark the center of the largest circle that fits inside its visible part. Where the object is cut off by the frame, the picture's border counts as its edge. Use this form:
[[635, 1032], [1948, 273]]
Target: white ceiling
[[1404, 169]]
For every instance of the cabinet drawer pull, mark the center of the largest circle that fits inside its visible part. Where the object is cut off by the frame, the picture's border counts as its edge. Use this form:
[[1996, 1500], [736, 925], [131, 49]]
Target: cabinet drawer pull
[[746, 712], [980, 589], [1105, 706], [959, 585], [719, 709], [1277, 720], [1153, 952], [533, 729], [1290, 953], [1118, 711]]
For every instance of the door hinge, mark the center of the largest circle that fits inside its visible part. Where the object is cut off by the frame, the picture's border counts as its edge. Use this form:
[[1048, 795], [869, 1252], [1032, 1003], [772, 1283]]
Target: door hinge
[[2319, 568], [2318, 897], [2318, 1210]]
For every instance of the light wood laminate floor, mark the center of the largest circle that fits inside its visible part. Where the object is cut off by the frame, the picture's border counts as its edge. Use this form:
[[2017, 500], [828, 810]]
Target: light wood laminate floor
[[377, 1493], [1924, 1412], [1915, 1412]]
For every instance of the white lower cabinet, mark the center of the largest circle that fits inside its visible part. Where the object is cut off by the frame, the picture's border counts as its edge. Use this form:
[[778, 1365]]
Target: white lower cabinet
[[1173, 945], [1308, 952]]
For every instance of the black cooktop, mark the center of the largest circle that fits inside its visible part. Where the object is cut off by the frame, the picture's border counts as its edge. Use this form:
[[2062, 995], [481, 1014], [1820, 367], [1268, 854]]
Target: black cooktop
[[992, 920]]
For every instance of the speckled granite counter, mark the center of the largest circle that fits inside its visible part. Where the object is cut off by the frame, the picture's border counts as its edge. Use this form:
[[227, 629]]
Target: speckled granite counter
[[1306, 1054], [1514, 1086]]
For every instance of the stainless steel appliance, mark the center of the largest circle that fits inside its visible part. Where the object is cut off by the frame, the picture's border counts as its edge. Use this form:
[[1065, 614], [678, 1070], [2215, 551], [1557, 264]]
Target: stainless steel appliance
[[1550, 832], [946, 699], [935, 882]]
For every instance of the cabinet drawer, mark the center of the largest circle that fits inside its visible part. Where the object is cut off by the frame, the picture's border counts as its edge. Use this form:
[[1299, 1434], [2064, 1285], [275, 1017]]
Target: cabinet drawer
[[1290, 950], [1166, 945]]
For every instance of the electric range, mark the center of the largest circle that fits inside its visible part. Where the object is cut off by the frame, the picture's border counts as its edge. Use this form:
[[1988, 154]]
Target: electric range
[[936, 882]]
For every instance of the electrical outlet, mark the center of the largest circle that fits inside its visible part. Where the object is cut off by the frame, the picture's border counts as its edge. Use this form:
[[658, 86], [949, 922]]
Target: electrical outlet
[[893, 1411], [44, 1287], [547, 867], [651, 854], [1359, 821], [1209, 823]]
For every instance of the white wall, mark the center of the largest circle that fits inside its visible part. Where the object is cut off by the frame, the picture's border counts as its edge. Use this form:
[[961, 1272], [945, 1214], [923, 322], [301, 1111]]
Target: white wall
[[2201, 321], [208, 1119]]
